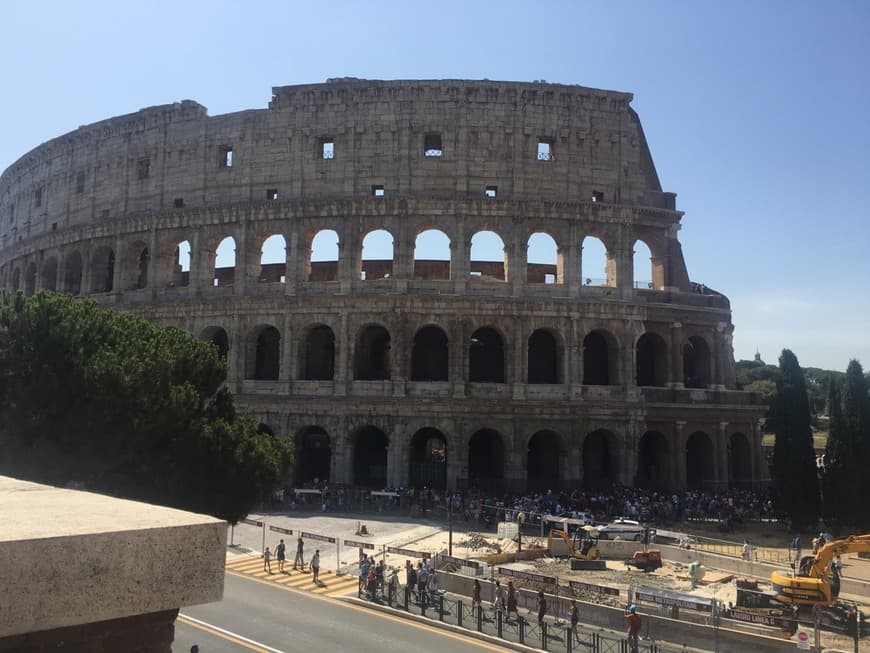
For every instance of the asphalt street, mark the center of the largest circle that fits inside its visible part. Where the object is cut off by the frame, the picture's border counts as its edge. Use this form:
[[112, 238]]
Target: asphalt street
[[256, 616]]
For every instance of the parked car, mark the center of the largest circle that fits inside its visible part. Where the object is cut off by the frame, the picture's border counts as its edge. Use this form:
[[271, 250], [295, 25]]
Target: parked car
[[624, 529]]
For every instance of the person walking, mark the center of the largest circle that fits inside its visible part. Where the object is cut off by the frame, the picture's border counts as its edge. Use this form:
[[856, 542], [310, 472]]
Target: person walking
[[267, 560], [575, 618], [281, 554], [747, 550], [411, 579], [542, 607], [498, 599], [475, 596], [512, 600], [299, 559], [315, 565], [633, 628]]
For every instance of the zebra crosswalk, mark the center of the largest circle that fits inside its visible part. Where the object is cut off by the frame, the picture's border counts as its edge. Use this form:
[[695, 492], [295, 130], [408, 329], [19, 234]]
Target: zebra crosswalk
[[329, 583]]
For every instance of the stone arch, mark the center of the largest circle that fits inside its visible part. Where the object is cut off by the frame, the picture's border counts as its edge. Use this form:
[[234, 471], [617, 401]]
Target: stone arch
[[218, 337], [487, 256], [262, 427], [48, 277], [30, 279], [264, 353], [225, 262], [370, 446], [432, 255], [544, 357], [653, 468], [429, 459], [544, 263], [596, 265], [696, 363], [739, 461], [313, 455], [318, 354], [376, 255], [486, 460], [102, 269], [542, 460], [371, 361], [699, 461], [136, 263], [72, 273], [600, 353], [15, 279], [273, 259], [323, 255], [599, 462], [486, 357], [181, 264], [642, 266], [430, 355], [651, 360]]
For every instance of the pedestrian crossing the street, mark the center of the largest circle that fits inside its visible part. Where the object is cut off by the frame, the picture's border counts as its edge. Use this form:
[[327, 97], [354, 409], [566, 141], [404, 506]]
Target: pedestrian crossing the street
[[329, 583]]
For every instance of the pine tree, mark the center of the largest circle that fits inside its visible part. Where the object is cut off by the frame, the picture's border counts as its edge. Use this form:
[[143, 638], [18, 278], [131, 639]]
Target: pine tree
[[794, 464]]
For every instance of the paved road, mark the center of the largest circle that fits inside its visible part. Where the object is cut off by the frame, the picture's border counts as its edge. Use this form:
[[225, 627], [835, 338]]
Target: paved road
[[277, 619]]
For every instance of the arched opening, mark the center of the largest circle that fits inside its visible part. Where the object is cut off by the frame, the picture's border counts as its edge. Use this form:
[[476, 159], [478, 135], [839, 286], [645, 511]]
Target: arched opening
[[599, 359], [323, 256], [543, 264], [218, 337], [102, 269], [265, 428], [377, 255], [72, 273], [598, 468], [543, 358], [225, 263], [429, 355], [273, 260], [370, 458], [486, 460], [429, 459], [49, 274], [488, 260], [486, 357], [313, 455], [432, 256], [266, 354], [319, 354], [653, 470], [651, 361], [699, 461], [30, 279], [696, 363], [181, 264], [594, 263], [542, 467], [643, 267], [372, 355], [15, 279], [739, 461], [135, 270]]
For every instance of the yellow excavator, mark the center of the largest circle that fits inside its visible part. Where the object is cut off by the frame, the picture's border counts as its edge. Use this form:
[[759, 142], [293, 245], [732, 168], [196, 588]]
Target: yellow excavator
[[581, 548], [816, 579]]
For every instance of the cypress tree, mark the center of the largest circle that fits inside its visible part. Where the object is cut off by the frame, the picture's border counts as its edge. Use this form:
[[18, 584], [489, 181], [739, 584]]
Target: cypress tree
[[838, 454], [794, 463], [856, 423]]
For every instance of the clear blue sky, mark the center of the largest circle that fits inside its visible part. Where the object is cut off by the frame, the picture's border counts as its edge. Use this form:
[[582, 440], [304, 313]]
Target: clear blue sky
[[756, 112]]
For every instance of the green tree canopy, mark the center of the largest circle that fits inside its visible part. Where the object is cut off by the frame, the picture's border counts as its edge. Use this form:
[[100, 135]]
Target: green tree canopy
[[105, 399]]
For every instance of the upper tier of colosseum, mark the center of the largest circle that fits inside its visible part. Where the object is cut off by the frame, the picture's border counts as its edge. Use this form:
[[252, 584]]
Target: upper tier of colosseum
[[341, 139]]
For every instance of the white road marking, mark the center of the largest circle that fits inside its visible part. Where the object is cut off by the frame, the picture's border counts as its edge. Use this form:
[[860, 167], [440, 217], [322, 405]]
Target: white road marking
[[229, 633]]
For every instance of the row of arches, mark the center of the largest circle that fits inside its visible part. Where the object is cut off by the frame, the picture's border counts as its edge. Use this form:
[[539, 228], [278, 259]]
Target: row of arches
[[486, 352], [544, 459]]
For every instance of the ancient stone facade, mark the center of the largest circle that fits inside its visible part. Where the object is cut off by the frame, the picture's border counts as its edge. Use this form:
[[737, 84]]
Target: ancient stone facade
[[408, 368]]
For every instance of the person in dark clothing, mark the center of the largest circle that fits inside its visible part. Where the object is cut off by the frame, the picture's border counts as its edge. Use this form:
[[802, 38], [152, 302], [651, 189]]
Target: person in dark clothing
[[542, 608]]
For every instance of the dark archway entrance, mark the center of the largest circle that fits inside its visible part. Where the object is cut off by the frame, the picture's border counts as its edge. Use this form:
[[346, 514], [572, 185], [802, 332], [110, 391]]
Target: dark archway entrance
[[597, 460], [696, 363], [653, 470], [429, 459], [429, 357], [313, 455], [486, 357], [267, 354], [542, 468], [739, 461], [72, 274], [543, 358], [486, 460], [370, 458], [319, 361], [699, 461], [372, 359], [651, 363], [597, 360], [219, 338]]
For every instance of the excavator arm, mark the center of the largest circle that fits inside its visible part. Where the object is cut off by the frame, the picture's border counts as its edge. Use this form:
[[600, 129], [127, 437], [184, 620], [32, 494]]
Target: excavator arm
[[820, 566]]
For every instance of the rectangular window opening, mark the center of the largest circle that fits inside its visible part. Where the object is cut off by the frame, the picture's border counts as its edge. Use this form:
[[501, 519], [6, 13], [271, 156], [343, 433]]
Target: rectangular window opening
[[327, 147], [549, 278], [179, 202], [475, 273], [54, 226], [432, 145], [80, 183], [545, 150], [491, 191], [272, 194], [143, 168], [597, 196], [38, 197], [378, 190], [226, 157]]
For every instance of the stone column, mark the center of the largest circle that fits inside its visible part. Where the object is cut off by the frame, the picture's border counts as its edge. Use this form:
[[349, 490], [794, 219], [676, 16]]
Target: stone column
[[721, 456], [347, 260], [676, 378], [458, 374], [516, 263], [118, 270], [291, 262], [514, 472], [198, 262], [570, 255], [236, 354], [679, 456], [343, 349], [288, 351], [459, 253], [518, 376], [398, 458]]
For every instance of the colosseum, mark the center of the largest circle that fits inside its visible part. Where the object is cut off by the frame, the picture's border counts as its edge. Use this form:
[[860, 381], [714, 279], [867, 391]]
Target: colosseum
[[417, 361]]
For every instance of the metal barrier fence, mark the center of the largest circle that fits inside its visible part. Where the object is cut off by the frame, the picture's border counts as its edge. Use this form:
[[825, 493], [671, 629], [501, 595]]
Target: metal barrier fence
[[550, 635]]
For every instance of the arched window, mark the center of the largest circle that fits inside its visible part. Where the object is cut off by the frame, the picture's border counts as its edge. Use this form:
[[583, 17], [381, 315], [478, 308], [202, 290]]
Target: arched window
[[273, 260], [594, 264], [266, 355], [30, 279], [543, 358], [653, 456], [135, 270], [314, 455], [598, 468], [72, 273], [377, 255], [429, 357], [15, 279], [432, 256], [102, 269], [49, 273], [181, 264], [370, 458], [319, 354], [651, 361], [225, 262], [372, 355], [486, 357], [643, 267], [544, 263], [323, 259], [488, 260], [696, 363], [699, 461], [599, 359], [219, 338], [542, 461], [486, 460], [429, 459]]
